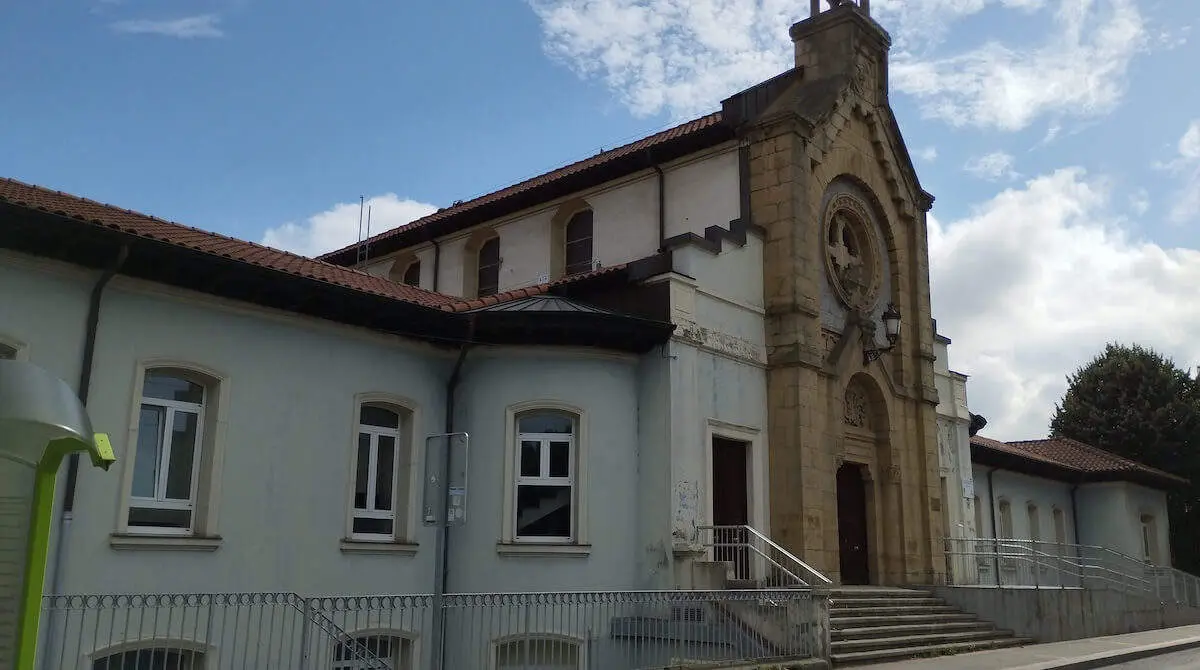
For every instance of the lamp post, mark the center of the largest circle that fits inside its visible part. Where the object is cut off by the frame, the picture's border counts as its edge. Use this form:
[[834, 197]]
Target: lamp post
[[41, 421], [891, 328]]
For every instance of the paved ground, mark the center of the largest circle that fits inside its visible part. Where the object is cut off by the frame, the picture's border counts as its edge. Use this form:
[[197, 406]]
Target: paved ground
[[1183, 660], [1070, 654]]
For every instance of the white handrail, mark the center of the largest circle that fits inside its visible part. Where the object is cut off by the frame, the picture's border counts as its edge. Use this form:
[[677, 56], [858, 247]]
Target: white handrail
[[747, 537]]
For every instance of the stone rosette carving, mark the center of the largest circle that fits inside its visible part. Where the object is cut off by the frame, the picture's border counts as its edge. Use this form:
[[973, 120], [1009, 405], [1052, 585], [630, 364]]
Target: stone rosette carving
[[852, 253]]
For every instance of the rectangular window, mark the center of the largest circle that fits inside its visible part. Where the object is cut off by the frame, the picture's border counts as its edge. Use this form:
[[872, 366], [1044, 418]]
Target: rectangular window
[[1060, 529], [578, 250], [167, 454], [1148, 538], [1035, 524], [380, 450], [545, 485], [1006, 525]]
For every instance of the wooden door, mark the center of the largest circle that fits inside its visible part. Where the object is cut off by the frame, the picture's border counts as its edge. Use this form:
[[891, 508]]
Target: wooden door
[[731, 504], [852, 524]]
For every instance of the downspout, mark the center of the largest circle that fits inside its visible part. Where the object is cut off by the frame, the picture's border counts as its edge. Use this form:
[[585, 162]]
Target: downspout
[[442, 550], [437, 263], [662, 208], [85, 384], [995, 526]]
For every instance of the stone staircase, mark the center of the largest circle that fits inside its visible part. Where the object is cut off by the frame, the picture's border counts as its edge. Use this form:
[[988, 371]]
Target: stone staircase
[[874, 624]]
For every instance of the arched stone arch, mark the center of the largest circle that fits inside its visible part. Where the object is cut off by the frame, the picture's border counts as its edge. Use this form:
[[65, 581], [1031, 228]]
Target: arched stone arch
[[865, 407], [563, 216], [858, 194], [401, 266]]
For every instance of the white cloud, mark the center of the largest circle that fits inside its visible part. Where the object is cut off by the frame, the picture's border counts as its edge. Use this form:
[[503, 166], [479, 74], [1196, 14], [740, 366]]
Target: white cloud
[[928, 154], [337, 226], [685, 56], [1186, 164], [993, 167], [1035, 281], [1079, 72], [188, 27], [1139, 202]]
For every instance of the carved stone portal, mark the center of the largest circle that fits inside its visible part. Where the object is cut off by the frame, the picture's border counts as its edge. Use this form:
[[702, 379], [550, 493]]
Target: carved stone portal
[[852, 253]]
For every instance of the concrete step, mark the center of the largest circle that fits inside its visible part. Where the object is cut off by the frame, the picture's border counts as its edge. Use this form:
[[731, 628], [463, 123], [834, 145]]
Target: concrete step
[[894, 610], [883, 602], [879, 655], [927, 640], [837, 622], [897, 630]]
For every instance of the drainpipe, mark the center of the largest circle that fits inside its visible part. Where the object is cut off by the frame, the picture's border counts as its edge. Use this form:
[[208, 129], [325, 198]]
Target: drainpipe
[[85, 384], [662, 208], [442, 549], [992, 507], [437, 263]]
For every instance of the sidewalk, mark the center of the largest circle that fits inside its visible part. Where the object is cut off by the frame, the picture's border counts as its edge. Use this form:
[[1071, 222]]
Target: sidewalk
[[1096, 652]]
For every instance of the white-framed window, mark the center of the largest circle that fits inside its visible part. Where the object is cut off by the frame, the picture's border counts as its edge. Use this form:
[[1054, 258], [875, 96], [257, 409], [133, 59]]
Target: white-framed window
[[151, 659], [168, 452], [382, 461], [544, 490], [539, 653], [1149, 538], [395, 650]]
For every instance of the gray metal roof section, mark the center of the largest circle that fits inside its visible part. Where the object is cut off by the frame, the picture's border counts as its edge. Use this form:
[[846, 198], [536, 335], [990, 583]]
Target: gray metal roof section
[[544, 303]]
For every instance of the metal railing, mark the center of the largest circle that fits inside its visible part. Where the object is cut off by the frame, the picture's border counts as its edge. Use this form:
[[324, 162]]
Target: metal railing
[[620, 630], [756, 560], [1029, 563]]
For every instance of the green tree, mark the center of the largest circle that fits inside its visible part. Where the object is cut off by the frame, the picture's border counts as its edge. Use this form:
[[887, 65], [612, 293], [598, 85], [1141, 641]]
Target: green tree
[[1133, 401]]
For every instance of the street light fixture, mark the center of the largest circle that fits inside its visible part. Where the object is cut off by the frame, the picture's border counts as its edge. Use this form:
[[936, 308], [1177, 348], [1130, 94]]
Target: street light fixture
[[891, 328]]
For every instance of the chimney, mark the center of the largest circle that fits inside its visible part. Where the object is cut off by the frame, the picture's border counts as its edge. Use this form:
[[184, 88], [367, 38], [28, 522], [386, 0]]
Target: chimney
[[835, 41]]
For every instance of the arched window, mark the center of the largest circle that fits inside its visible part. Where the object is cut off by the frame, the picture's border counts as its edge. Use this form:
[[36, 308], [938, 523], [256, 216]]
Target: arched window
[[1005, 531], [151, 659], [395, 651], [538, 653], [1149, 538], [1060, 528], [545, 482], [412, 274], [1035, 524], [381, 473], [168, 454], [577, 251], [487, 274]]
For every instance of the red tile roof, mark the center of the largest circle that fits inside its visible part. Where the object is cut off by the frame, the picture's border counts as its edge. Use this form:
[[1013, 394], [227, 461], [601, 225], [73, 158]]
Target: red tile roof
[[1073, 455], [1085, 457], [153, 228], [682, 130]]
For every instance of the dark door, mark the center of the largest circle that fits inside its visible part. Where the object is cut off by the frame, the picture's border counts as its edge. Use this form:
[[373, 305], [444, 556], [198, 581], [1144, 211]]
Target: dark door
[[852, 524], [731, 505]]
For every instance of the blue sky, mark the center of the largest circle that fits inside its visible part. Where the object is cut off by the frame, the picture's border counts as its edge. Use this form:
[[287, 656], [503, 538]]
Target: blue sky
[[1061, 137]]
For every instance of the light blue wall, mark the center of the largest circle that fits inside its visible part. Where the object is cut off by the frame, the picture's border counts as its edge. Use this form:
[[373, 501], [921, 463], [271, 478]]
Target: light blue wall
[[1021, 489], [606, 388]]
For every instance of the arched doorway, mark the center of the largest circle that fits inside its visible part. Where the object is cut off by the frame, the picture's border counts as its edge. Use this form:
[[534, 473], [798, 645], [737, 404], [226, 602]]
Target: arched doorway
[[853, 533]]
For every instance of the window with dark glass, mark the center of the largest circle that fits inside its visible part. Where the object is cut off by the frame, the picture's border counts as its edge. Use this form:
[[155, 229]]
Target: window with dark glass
[[7, 352], [578, 240], [167, 454], [150, 659], [488, 277], [374, 514], [412, 274], [545, 476]]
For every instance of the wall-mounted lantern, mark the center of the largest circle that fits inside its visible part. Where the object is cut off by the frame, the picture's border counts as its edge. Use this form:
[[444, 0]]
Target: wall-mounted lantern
[[891, 328]]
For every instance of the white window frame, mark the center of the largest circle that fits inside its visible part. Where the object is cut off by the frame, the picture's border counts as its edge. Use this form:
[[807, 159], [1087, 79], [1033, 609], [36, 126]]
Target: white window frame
[[399, 447], [1004, 520], [171, 408], [557, 638], [405, 509], [577, 469], [1033, 515]]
